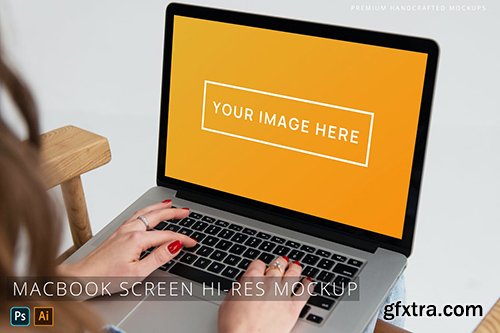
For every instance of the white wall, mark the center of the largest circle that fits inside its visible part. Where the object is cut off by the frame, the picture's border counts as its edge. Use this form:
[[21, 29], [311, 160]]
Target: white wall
[[97, 65]]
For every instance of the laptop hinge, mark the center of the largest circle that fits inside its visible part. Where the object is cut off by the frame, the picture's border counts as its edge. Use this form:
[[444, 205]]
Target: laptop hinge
[[279, 220]]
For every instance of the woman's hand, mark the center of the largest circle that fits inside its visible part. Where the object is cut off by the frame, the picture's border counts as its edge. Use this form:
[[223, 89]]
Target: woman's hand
[[263, 314], [119, 254]]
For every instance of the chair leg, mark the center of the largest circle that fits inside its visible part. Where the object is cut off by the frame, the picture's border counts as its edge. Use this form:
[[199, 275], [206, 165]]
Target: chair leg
[[76, 208], [384, 327]]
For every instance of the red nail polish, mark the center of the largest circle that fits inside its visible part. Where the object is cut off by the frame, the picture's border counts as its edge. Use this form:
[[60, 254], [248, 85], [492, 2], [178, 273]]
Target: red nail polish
[[185, 208], [174, 247], [286, 258], [167, 201], [296, 262], [309, 278]]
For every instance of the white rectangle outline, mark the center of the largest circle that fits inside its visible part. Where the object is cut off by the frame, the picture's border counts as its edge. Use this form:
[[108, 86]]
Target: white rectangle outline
[[371, 114]]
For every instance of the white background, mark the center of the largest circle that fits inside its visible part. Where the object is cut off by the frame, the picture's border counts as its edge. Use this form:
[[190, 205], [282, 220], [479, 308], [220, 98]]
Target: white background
[[97, 65]]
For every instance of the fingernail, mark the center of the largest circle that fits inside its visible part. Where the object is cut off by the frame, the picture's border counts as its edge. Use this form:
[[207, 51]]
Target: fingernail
[[174, 247], [286, 258], [185, 208], [296, 262], [308, 278], [167, 201]]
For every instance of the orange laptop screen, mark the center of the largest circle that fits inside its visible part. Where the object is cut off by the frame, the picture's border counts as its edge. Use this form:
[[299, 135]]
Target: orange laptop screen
[[319, 126]]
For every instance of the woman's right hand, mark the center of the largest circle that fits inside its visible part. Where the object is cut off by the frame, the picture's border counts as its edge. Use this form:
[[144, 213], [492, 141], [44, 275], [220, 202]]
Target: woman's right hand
[[263, 314], [119, 254]]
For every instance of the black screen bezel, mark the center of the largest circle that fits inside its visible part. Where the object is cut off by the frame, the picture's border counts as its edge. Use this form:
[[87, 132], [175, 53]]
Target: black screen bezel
[[280, 216]]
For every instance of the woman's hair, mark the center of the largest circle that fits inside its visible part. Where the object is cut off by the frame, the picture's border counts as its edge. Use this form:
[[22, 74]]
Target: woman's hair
[[28, 223]]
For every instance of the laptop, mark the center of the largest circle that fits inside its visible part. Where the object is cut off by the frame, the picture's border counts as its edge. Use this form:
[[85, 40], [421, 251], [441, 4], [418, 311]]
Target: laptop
[[285, 138]]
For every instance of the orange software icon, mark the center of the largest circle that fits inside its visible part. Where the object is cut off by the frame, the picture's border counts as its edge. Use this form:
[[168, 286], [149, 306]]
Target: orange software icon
[[43, 316]]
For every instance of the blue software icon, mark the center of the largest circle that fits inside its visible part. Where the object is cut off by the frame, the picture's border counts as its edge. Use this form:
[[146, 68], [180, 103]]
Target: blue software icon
[[19, 316]]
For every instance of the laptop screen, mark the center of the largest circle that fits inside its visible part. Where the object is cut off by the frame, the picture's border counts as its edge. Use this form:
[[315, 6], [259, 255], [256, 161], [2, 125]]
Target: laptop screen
[[319, 126]]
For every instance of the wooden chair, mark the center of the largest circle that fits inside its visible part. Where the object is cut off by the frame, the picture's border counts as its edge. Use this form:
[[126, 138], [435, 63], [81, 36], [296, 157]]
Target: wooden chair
[[67, 153], [491, 321]]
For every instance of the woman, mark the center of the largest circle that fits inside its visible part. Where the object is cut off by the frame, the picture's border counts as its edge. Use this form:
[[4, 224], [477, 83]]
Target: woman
[[30, 238]]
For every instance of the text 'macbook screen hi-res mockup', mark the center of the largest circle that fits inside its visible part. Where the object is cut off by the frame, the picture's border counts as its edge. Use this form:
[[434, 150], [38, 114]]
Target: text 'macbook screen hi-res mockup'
[[320, 126]]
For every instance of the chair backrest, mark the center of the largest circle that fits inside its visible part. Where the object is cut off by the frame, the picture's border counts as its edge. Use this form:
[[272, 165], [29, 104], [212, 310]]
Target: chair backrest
[[67, 153]]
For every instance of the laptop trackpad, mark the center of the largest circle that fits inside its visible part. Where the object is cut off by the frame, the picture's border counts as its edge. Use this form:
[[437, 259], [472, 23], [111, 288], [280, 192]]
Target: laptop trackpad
[[172, 316]]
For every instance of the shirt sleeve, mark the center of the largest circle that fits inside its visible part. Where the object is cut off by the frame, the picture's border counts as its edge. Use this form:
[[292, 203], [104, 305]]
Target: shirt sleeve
[[112, 329]]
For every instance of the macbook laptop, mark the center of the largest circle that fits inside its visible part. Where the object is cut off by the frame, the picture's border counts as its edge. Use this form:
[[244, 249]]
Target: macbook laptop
[[285, 138]]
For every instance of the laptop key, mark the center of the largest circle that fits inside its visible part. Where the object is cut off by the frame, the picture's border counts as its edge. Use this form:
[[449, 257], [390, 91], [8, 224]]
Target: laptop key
[[232, 260], [189, 258], [160, 226], [166, 266], [251, 253], [195, 215], [174, 221], [293, 244], [192, 248], [210, 241], [226, 234], [296, 255], [235, 227], [339, 257], [263, 235], [267, 246], [237, 249], [208, 219], [223, 244], [249, 231], [244, 263], [304, 311], [281, 250], [185, 231], [222, 223], [187, 222], [213, 230], [310, 271], [326, 289], [218, 255], [266, 257], [345, 270], [314, 318], [278, 240], [202, 262], [325, 276], [173, 227], [253, 242], [198, 236], [341, 281], [230, 272], [199, 276], [310, 259], [326, 264], [323, 253], [239, 238], [205, 251], [355, 262], [307, 248], [199, 226], [321, 302], [216, 267]]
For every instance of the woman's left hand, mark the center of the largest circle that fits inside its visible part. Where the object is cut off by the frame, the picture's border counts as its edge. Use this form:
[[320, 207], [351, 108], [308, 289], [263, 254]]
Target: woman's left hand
[[119, 254]]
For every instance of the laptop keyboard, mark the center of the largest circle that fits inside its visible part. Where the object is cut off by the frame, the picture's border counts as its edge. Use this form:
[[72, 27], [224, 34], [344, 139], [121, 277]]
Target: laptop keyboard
[[225, 249]]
